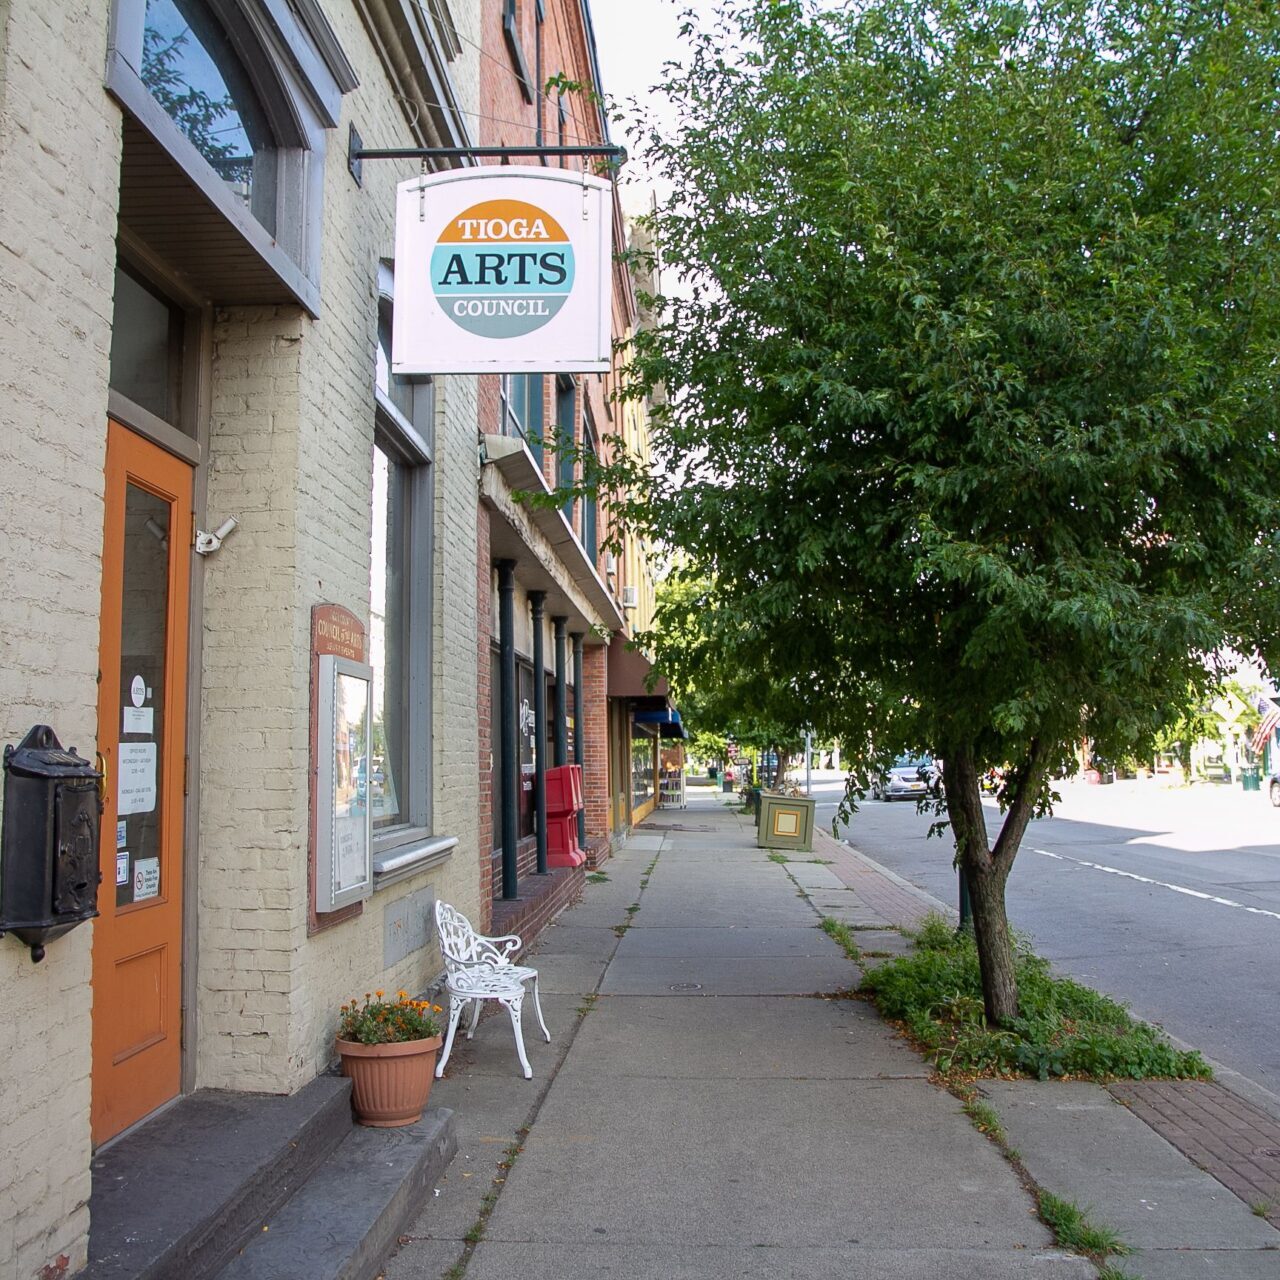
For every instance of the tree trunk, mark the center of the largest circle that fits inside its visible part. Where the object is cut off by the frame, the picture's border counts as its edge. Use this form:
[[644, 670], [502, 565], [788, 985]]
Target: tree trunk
[[986, 887], [995, 948], [987, 870]]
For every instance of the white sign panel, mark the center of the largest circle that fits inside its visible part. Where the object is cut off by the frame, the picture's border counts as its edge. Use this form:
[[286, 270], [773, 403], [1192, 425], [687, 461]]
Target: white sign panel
[[146, 879], [503, 269], [344, 740], [139, 720], [137, 784]]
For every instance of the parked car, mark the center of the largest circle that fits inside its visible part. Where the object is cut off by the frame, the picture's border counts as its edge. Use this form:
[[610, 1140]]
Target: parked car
[[906, 779]]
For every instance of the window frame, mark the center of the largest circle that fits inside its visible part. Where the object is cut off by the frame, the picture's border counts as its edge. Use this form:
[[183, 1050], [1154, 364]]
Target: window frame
[[514, 423], [511, 34], [408, 440], [565, 476], [299, 73], [590, 509]]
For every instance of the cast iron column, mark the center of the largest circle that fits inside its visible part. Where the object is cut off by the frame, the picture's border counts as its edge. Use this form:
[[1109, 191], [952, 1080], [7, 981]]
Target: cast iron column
[[577, 732], [507, 706], [536, 599], [561, 739]]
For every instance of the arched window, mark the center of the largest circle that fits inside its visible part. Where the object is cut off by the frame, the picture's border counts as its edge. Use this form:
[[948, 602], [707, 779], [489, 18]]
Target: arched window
[[194, 73], [229, 105]]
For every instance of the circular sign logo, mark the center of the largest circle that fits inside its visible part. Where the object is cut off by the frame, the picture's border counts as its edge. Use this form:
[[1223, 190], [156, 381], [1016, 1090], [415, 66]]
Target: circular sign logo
[[502, 268]]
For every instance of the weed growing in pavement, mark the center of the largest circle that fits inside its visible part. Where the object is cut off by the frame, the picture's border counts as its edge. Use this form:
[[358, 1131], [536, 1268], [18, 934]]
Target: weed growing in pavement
[[840, 932], [490, 1198], [619, 930], [588, 1003], [985, 1119], [1072, 1229], [780, 858], [1261, 1207], [1064, 1029], [597, 877], [633, 908], [1114, 1273]]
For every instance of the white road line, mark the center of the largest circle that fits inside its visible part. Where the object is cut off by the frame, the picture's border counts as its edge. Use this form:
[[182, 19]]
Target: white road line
[[1163, 884]]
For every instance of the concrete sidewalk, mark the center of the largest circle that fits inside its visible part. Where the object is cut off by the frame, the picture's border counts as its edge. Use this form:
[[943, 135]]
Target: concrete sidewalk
[[713, 1105]]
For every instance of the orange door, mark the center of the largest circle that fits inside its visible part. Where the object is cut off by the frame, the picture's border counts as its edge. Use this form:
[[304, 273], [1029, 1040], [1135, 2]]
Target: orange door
[[142, 676]]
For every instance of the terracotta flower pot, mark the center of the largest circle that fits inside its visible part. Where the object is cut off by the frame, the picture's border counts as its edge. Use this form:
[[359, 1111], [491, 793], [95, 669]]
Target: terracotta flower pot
[[390, 1083]]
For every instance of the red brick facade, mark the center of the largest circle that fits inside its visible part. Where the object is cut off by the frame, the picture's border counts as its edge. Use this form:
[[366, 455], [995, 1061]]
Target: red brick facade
[[516, 110], [595, 767]]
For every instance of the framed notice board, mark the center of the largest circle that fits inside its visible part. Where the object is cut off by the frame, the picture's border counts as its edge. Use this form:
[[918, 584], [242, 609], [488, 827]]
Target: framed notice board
[[344, 742]]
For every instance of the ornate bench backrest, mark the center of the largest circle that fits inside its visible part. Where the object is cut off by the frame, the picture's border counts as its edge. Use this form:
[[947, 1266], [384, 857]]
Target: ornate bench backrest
[[461, 946]]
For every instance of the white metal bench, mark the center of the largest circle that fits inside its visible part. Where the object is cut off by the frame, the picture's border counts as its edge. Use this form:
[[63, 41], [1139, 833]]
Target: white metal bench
[[478, 969]]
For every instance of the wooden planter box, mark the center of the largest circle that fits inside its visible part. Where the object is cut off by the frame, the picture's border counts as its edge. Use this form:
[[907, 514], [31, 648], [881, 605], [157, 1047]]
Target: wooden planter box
[[786, 822]]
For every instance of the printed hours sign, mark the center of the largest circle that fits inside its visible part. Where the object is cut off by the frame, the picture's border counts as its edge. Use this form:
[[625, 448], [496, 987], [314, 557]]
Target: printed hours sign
[[503, 270]]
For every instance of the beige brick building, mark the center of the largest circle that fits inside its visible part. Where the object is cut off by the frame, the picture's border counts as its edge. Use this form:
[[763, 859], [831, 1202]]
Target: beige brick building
[[187, 253]]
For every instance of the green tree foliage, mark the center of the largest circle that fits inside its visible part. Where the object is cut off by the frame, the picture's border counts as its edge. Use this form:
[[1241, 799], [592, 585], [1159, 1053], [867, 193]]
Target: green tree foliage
[[970, 434], [722, 693]]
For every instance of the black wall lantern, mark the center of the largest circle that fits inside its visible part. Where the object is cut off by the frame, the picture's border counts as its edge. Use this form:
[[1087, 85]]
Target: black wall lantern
[[49, 849]]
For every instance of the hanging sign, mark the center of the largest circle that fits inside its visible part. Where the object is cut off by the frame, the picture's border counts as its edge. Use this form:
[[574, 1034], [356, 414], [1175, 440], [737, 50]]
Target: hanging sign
[[503, 270]]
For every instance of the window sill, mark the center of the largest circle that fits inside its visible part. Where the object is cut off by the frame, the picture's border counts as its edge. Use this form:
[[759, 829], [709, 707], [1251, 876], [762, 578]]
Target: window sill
[[394, 865]]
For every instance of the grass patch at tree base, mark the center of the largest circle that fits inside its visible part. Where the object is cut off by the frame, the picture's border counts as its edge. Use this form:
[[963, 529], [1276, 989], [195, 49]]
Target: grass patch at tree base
[[1063, 1028]]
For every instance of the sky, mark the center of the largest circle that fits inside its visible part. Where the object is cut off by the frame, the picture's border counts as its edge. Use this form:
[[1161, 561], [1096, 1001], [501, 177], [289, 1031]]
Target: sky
[[634, 38]]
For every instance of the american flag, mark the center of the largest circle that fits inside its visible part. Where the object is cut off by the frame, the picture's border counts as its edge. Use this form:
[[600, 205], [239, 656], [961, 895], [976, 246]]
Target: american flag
[[1270, 719]]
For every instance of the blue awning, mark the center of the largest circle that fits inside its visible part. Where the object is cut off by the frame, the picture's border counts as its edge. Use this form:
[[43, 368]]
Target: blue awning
[[666, 720]]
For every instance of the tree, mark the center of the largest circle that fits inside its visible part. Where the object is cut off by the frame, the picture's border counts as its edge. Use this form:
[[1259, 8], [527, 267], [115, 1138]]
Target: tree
[[972, 388], [722, 693]]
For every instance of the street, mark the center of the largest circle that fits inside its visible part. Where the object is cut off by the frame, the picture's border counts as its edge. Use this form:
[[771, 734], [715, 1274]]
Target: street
[[1168, 900]]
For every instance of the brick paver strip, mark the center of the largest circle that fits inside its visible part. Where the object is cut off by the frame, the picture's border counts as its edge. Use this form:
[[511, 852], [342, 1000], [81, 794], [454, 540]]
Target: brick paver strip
[[1236, 1142], [894, 904]]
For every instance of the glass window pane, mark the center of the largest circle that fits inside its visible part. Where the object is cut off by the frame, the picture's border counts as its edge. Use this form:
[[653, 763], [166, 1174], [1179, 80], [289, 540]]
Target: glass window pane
[[192, 71], [495, 747], [641, 768], [143, 649], [146, 348], [525, 728], [384, 779], [565, 439], [398, 390]]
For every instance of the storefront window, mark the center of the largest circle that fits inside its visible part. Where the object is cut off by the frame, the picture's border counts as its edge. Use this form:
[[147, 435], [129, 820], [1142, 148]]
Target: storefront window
[[495, 746], [527, 732], [642, 753], [384, 776], [191, 69], [399, 600]]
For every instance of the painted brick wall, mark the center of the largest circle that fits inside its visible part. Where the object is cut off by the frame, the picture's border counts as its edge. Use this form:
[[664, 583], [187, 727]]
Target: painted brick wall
[[59, 171], [293, 450]]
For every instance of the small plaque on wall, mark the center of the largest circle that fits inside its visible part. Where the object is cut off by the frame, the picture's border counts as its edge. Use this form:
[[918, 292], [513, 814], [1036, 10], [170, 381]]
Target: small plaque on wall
[[344, 831]]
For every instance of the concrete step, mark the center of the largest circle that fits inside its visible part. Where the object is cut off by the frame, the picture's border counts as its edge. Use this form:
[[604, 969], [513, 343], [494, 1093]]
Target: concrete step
[[175, 1198], [345, 1220]]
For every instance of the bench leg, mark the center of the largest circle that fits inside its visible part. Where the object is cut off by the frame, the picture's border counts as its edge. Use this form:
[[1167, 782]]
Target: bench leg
[[513, 1004], [455, 1012], [537, 1004]]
